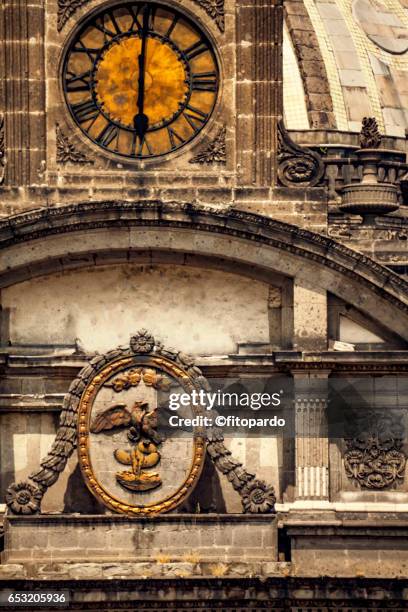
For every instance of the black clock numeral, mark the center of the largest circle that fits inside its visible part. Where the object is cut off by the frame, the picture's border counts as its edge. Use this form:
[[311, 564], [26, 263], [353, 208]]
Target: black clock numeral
[[174, 137], [196, 118], [78, 82], [172, 26], [197, 49], [143, 142], [204, 81], [99, 24], [108, 135], [79, 47], [114, 22], [85, 111], [137, 17]]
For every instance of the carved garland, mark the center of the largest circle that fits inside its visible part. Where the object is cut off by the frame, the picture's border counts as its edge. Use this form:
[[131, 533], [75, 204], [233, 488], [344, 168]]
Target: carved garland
[[214, 152], [214, 8], [67, 152], [25, 497], [297, 166]]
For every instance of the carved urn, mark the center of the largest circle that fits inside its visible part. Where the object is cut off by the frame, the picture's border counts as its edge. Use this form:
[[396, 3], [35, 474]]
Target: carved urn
[[370, 196]]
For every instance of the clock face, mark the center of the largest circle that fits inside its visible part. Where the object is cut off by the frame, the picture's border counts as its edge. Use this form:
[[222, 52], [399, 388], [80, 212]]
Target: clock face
[[140, 79]]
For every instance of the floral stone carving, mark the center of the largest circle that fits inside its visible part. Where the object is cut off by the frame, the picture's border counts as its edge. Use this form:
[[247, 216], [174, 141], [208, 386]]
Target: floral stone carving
[[374, 459]]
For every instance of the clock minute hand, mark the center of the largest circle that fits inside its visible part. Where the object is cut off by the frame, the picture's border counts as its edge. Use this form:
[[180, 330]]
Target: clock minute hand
[[141, 121]]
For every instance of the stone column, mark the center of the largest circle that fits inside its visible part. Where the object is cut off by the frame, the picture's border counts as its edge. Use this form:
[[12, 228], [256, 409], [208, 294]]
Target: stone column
[[22, 103], [312, 444], [259, 88]]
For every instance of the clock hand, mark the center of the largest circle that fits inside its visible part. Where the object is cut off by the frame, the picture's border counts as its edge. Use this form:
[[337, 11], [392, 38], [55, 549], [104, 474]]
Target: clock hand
[[141, 121]]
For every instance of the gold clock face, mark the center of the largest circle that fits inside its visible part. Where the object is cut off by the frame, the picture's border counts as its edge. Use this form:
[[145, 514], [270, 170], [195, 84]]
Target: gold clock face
[[140, 79]]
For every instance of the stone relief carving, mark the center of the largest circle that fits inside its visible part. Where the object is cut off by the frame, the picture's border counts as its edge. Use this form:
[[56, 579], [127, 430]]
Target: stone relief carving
[[370, 137], [25, 497], [2, 150], [297, 166], [214, 152], [66, 8], [215, 9], [66, 151], [374, 458]]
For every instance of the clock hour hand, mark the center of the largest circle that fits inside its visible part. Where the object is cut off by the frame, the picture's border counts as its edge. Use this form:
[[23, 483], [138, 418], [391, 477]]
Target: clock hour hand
[[141, 120]]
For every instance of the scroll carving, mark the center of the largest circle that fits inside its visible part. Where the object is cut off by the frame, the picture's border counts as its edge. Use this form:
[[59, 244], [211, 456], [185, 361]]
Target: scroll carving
[[370, 137], [374, 459], [297, 166], [214, 152], [66, 151]]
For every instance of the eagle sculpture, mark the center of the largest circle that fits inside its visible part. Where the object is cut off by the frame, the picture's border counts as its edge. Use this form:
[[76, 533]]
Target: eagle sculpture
[[142, 424]]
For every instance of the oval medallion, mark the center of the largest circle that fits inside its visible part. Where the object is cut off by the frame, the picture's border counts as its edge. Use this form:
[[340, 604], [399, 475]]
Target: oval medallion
[[130, 457]]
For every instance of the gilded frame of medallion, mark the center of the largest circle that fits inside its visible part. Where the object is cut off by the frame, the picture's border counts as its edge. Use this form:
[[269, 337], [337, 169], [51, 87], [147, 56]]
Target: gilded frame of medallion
[[84, 412]]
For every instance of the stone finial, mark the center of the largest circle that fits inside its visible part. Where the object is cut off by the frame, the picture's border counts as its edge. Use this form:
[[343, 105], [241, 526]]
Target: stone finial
[[370, 137]]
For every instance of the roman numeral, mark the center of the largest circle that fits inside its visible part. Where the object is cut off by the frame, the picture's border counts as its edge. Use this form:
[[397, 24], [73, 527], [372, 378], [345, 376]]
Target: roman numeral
[[195, 121], [172, 26], [79, 47], [78, 82], [174, 137], [143, 143], [108, 134], [196, 49], [204, 81], [135, 17], [85, 111], [99, 24]]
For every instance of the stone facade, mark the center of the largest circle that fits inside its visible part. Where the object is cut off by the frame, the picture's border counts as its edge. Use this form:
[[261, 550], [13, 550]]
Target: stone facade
[[238, 249]]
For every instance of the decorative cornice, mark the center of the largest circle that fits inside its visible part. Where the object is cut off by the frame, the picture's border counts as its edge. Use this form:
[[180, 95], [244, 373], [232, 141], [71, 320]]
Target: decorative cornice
[[66, 8], [297, 166], [232, 222], [67, 152], [214, 152]]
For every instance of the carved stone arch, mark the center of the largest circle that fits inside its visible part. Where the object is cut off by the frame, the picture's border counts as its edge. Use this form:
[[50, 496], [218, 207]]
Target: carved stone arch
[[52, 239]]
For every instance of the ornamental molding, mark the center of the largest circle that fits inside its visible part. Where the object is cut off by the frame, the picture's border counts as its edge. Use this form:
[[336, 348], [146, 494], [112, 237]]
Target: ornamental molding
[[116, 369], [67, 152], [214, 152], [214, 8], [231, 222], [297, 166]]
